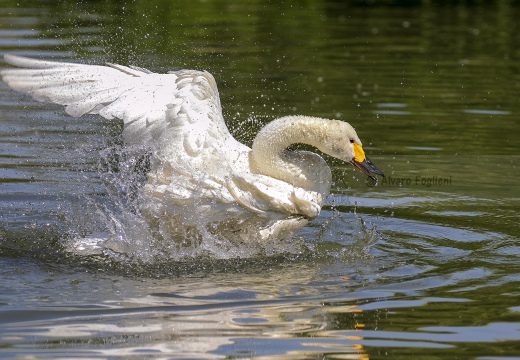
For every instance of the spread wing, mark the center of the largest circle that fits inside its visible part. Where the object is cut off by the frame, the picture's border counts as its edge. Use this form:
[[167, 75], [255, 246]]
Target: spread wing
[[147, 102], [180, 114]]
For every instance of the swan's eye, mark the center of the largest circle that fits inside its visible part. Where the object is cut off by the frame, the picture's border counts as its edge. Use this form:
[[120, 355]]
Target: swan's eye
[[352, 141]]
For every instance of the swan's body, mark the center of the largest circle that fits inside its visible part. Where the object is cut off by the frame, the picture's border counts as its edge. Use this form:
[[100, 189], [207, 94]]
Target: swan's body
[[199, 173]]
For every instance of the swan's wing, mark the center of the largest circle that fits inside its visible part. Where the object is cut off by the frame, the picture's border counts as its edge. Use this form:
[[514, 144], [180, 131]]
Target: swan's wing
[[147, 102], [264, 195]]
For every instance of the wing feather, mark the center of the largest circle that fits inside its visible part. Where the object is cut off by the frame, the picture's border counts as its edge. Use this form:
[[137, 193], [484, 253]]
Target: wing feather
[[147, 102], [180, 115]]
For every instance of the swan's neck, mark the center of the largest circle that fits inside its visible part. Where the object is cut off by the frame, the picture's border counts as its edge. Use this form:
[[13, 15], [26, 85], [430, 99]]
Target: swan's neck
[[269, 155]]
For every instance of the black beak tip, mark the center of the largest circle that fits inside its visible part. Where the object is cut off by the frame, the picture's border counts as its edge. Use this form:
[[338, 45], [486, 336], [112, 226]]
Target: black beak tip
[[368, 168], [379, 172]]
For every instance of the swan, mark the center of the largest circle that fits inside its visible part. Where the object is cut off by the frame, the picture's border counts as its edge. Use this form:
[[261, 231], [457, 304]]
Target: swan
[[200, 177]]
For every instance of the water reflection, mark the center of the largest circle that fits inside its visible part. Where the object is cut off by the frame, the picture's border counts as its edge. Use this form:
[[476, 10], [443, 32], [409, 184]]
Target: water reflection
[[295, 311], [183, 319]]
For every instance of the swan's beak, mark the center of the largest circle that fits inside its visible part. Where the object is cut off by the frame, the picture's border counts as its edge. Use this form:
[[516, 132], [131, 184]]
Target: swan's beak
[[363, 163]]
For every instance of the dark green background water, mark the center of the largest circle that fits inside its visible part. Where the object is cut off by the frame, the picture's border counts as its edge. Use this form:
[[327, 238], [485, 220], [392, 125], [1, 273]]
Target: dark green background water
[[432, 89]]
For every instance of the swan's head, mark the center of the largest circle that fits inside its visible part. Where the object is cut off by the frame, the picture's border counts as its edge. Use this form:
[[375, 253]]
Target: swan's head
[[341, 141], [333, 137]]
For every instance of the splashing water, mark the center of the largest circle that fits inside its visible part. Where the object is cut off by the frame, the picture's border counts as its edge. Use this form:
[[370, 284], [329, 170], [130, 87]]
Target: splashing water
[[350, 236], [113, 226]]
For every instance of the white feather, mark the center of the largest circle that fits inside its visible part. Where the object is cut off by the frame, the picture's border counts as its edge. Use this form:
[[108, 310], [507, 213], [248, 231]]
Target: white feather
[[199, 173]]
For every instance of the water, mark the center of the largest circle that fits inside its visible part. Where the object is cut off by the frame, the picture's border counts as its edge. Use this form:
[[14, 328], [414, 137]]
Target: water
[[424, 265]]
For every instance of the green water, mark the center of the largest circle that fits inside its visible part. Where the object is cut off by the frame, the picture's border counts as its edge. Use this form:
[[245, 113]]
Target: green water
[[432, 90]]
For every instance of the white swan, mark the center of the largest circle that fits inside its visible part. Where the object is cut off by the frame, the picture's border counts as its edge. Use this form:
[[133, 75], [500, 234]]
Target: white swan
[[200, 176]]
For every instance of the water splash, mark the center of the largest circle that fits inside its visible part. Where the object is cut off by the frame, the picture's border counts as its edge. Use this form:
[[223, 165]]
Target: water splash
[[346, 235], [112, 225]]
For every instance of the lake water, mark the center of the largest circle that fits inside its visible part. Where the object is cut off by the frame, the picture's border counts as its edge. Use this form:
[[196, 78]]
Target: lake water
[[424, 265]]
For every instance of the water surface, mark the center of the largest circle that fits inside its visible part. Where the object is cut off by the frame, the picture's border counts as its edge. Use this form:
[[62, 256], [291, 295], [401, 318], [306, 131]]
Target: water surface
[[425, 264]]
